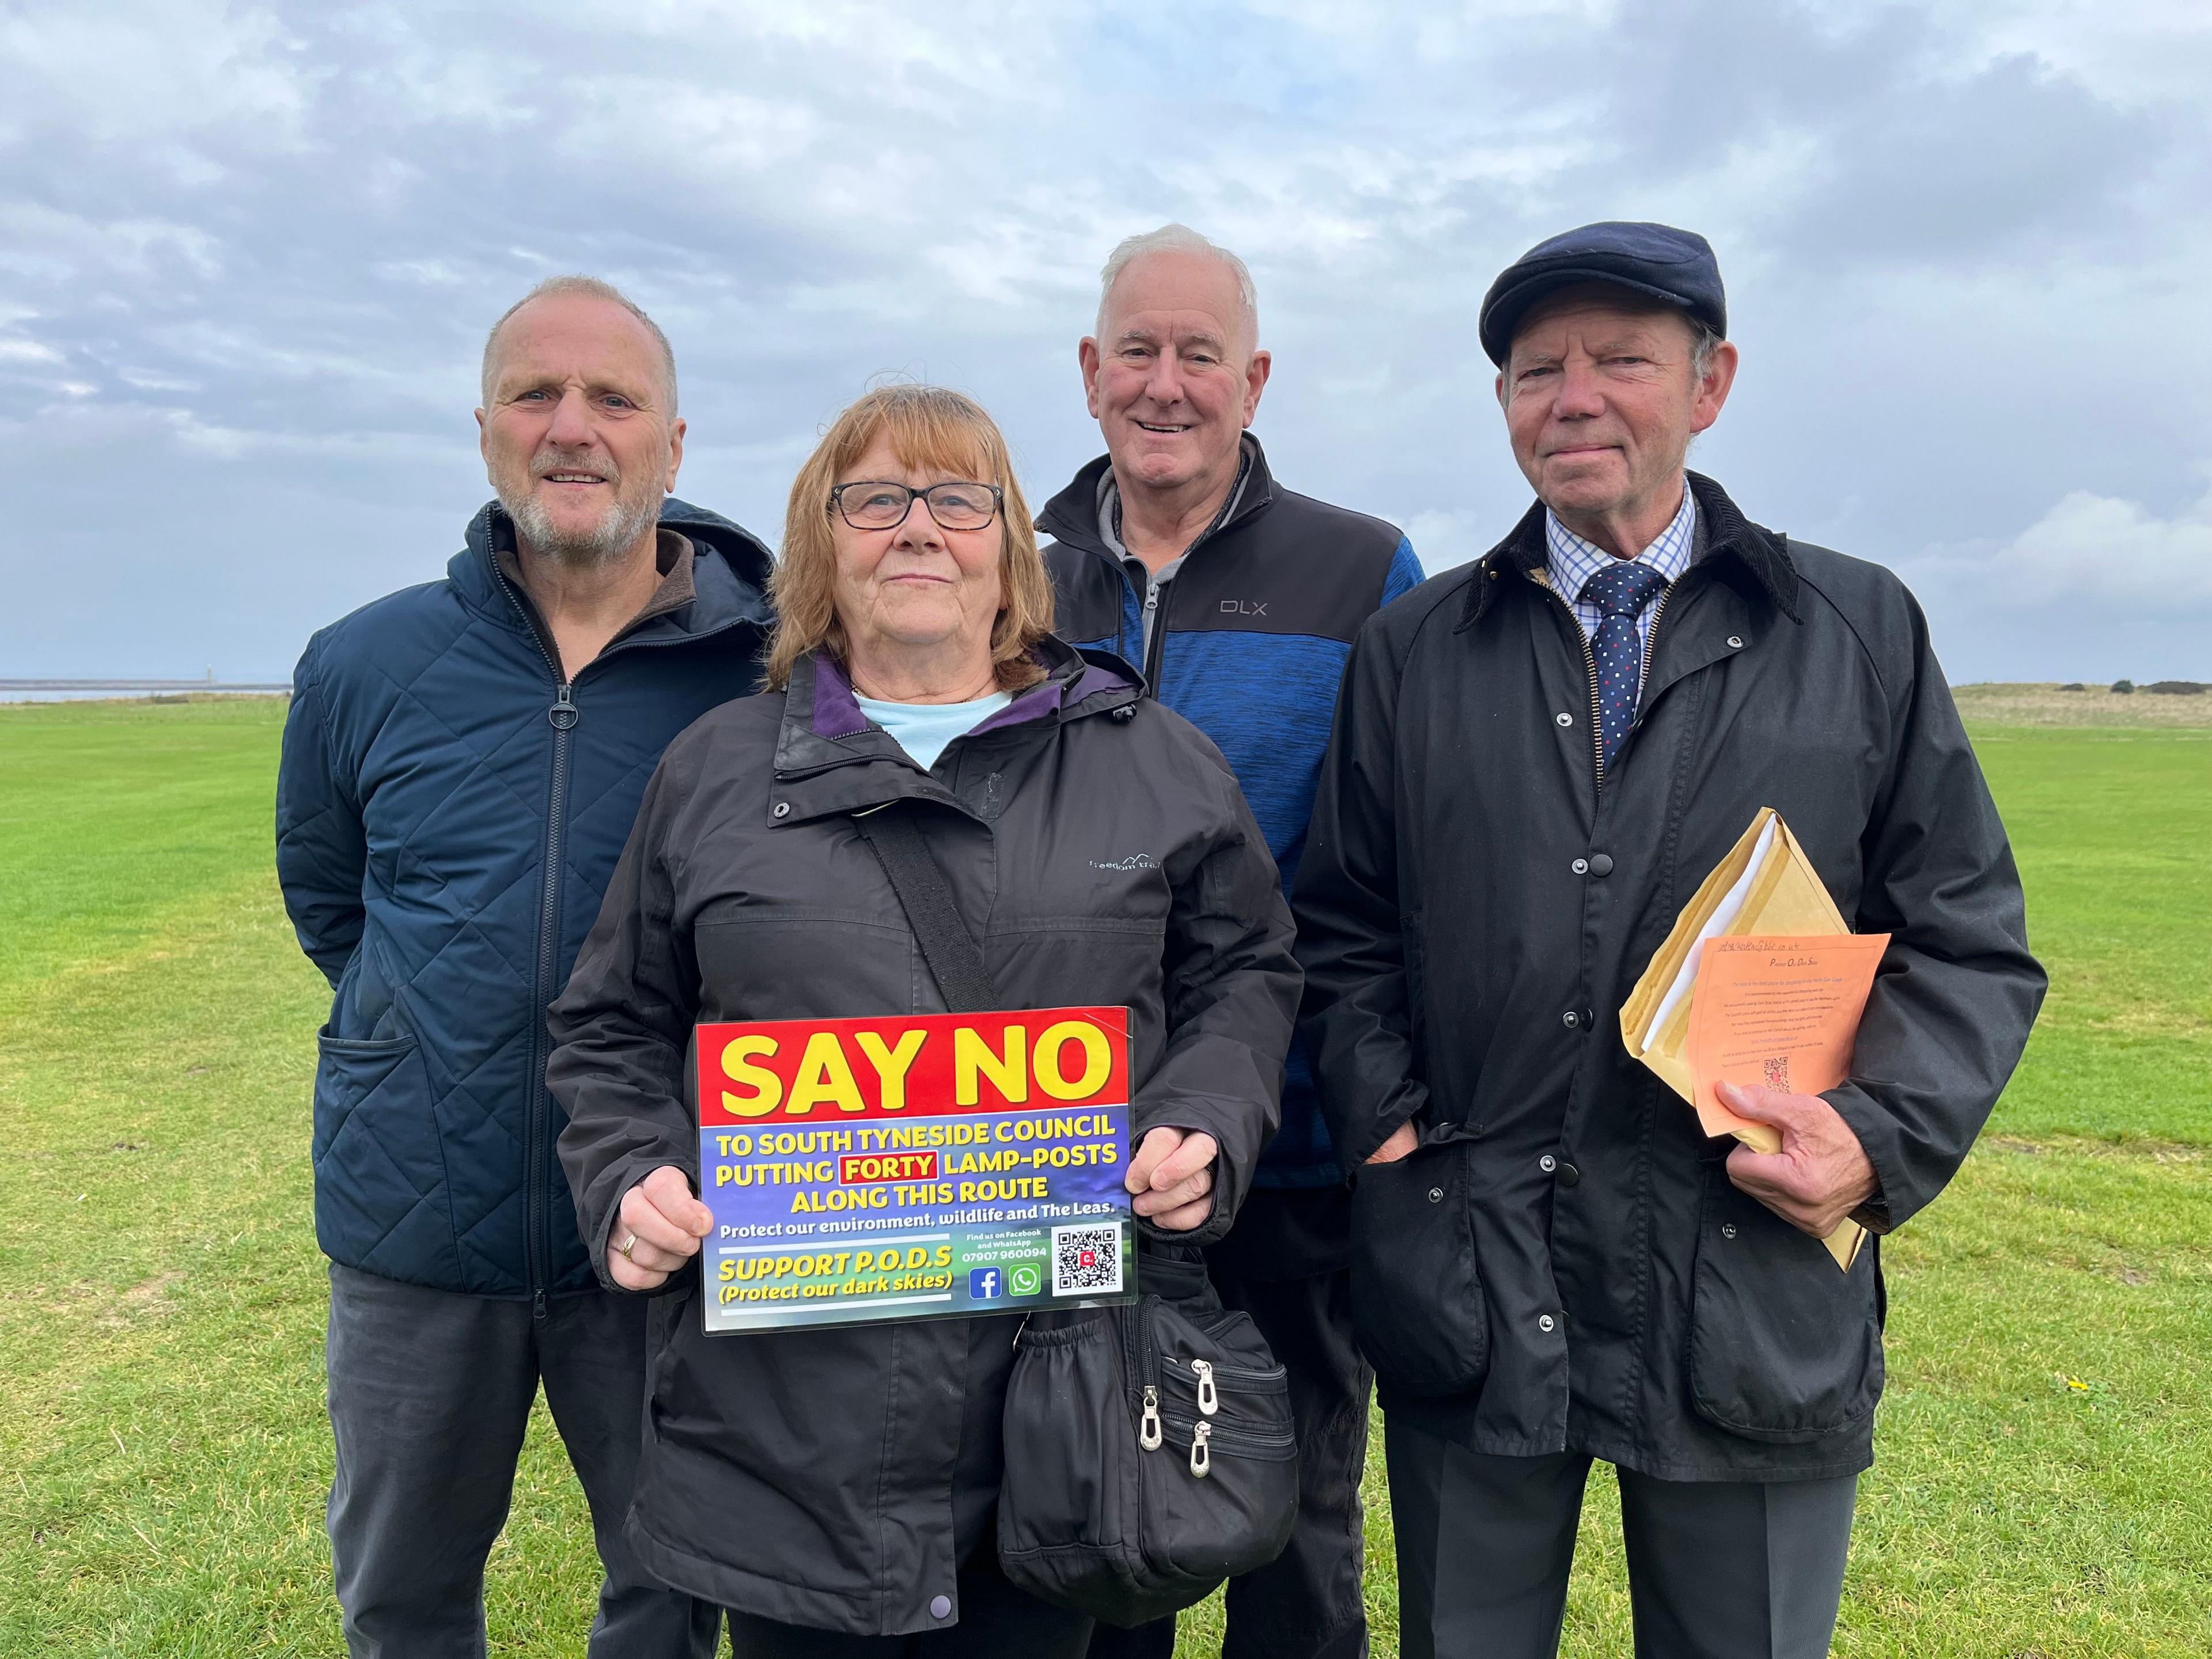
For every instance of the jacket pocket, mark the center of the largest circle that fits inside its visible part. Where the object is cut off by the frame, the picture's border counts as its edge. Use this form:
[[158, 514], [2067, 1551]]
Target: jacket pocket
[[350, 1071], [1784, 1347], [380, 1161], [1417, 1302]]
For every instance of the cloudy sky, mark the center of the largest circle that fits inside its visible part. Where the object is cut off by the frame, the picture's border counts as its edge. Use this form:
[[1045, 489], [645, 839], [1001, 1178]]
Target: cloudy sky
[[248, 251]]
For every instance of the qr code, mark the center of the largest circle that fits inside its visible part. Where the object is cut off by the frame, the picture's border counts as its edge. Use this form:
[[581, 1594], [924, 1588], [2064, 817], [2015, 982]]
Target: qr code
[[1777, 1070], [1086, 1260]]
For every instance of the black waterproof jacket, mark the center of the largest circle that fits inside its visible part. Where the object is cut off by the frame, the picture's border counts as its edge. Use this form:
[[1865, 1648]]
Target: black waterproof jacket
[[1564, 1263], [1100, 851]]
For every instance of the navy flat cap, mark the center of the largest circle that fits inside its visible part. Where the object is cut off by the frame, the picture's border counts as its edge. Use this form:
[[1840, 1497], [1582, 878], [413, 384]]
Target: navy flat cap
[[1674, 265]]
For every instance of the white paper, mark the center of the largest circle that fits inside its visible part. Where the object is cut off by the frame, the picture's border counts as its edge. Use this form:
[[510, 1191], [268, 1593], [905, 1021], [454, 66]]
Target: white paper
[[1724, 915]]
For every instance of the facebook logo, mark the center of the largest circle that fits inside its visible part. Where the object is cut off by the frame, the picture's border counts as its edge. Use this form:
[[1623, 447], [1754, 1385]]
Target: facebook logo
[[983, 1284]]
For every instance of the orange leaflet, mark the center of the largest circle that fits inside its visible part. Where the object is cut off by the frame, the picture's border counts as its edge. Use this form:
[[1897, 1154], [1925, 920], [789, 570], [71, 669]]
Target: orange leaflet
[[1780, 1010]]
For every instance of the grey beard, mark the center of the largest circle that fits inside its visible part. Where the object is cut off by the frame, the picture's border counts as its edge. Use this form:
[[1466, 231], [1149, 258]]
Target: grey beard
[[614, 534]]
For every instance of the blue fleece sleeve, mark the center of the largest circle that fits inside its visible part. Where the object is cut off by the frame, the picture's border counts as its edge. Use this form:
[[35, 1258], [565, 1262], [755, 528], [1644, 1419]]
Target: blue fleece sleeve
[[1404, 574]]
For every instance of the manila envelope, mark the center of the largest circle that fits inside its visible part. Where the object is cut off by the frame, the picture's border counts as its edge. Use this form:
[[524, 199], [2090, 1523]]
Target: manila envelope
[[1766, 885], [1783, 893]]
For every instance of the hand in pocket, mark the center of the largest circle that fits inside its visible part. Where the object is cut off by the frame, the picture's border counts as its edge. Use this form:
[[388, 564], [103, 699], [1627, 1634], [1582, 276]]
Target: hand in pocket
[[1403, 1141]]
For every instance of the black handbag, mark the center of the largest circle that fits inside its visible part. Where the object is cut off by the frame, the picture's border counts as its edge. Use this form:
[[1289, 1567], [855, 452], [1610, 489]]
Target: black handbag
[[1150, 1453]]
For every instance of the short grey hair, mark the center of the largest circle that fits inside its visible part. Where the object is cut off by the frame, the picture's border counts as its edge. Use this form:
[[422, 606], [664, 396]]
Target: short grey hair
[[1173, 238], [1704, 340], [590, 288]]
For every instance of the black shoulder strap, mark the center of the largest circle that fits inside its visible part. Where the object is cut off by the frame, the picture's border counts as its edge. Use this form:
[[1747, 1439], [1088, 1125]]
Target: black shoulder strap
[[946, 944]]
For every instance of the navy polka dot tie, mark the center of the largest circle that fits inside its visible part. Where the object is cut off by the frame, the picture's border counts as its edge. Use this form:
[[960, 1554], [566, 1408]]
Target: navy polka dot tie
[[1620, 590]]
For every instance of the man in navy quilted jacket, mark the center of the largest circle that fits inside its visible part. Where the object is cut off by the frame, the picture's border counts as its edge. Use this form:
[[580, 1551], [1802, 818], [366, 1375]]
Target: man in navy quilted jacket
[[461, 766]]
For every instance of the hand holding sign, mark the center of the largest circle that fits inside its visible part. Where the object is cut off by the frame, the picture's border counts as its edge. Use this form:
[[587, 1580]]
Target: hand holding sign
[[663, 1225], [1172, 1176]]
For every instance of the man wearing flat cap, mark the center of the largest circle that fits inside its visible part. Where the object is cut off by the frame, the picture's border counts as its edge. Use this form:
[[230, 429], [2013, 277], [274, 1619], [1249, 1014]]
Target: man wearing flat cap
[[1536, 760]]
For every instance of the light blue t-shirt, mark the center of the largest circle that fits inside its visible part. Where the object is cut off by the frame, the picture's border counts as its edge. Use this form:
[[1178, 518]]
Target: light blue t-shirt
[[923, 729]]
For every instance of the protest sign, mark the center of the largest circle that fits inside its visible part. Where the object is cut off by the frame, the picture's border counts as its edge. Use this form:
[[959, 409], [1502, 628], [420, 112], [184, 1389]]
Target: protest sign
[[911, 1168]]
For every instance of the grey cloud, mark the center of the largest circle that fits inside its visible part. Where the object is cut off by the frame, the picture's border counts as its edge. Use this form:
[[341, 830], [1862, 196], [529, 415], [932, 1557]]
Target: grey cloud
[[1972, 171], [248, 254]]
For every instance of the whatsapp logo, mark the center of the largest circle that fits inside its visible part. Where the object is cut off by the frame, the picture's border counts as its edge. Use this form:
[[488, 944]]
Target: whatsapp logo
[[1025, 1281]]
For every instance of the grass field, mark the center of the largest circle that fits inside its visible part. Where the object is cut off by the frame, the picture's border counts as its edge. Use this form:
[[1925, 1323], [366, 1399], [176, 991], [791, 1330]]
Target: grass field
[[2044, 1488]]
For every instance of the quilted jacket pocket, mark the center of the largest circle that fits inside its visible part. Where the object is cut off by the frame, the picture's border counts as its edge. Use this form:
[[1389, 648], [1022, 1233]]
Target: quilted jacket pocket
[[1783, 1348], [1417, 1302], [380, 1162]]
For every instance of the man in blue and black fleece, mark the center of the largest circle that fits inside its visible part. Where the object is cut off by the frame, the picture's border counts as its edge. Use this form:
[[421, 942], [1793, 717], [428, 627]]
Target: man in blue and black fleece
[[1239, 599]]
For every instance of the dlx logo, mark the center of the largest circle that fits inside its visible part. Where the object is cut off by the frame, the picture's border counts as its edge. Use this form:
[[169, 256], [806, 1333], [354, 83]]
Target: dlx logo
[[1243, 607]]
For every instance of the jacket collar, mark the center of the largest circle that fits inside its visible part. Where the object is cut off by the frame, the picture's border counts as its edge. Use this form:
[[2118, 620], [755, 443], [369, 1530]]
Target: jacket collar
[[1070, 518], [729, 573], [824, 729], [1723, 531]]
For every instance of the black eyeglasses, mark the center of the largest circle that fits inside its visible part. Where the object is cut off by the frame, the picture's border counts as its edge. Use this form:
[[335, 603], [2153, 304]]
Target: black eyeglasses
[[884, 506]]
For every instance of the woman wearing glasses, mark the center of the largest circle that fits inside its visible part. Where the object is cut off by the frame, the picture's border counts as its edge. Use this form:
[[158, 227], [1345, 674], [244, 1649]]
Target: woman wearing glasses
[[835, 1487]]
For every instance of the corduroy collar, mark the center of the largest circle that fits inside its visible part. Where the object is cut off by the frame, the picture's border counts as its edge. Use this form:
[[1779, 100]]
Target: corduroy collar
[[1727, 533]]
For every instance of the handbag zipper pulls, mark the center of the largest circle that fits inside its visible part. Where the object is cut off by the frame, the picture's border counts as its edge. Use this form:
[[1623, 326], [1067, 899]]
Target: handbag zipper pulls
[[1148, 1431], [1201, 1456], [1209, 1397]]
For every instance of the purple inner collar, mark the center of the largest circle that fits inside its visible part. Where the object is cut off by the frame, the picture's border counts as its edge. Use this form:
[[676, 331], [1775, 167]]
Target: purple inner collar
[[1035, 703], [836, 713]]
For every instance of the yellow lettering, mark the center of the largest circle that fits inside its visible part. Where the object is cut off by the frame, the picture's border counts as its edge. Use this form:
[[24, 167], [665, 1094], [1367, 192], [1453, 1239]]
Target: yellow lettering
[[1098, 1059], [891, 1064], [824, 1076], [768, 1088], [971, 1056]]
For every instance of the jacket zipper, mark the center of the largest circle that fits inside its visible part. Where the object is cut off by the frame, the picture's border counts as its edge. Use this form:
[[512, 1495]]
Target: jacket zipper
[[1651, 640], [1155, 632], [562, 716], [1154, 635], [1590, 667]]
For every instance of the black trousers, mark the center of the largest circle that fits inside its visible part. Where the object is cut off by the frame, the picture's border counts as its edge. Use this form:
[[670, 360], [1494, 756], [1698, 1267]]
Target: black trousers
[[1718, 1570], [997, 1621], [429, 1393], [1282, 1264]]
